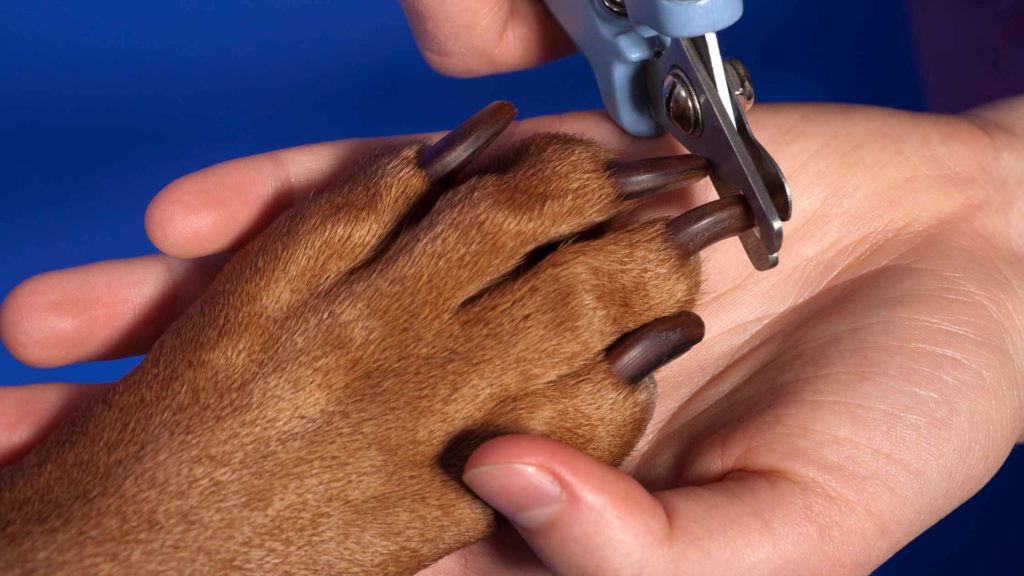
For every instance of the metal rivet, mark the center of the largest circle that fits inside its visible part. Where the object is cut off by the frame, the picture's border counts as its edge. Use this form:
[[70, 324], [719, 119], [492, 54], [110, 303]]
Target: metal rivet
[[681, 103], [740, 83], [617, 6]]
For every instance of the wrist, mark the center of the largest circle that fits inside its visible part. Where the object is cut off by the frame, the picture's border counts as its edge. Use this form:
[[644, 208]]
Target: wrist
[[1003, 123]]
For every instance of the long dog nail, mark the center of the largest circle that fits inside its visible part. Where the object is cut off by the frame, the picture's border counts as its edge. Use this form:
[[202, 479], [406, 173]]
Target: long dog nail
[[715, 221], [449, 155], [638, 354], [661, 207], [653, 175]]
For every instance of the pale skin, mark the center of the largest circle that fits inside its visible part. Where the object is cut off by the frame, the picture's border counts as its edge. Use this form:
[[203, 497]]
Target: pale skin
[[838, 406]]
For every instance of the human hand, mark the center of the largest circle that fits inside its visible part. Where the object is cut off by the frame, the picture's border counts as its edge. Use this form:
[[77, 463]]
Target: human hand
[[473, 38], [903, 288], [839, 406], [826, 422]]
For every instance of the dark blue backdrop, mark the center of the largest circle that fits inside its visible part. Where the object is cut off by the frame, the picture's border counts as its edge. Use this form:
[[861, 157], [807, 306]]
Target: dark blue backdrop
[[102, 103]]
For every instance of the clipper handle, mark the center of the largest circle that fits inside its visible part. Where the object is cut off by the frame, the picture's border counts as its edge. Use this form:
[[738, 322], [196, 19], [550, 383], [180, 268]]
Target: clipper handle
[[619, 36]]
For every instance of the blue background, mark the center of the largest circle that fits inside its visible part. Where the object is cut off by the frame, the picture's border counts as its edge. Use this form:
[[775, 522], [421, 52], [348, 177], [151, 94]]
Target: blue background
[[102, 103]]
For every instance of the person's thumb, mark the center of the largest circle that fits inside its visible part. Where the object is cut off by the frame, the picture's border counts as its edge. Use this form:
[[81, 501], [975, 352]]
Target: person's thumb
[[580, 516]]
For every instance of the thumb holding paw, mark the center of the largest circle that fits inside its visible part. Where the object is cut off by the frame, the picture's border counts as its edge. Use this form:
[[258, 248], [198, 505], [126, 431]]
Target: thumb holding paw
[[580, 516]]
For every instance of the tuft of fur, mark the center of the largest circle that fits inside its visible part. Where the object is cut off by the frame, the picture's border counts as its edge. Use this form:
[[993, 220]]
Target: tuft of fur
[[312, 412]]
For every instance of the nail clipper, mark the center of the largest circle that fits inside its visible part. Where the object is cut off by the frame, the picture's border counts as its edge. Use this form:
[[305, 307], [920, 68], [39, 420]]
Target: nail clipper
[[659, 69]]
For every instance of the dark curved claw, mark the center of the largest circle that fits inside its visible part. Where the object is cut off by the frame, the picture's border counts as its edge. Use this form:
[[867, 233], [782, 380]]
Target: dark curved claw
[[715, 221], [655, 175], [449, 155], [638, 354]]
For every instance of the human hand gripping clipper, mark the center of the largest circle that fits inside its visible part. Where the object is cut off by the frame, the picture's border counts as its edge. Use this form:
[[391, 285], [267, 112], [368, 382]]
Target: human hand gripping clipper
[[659, 69]]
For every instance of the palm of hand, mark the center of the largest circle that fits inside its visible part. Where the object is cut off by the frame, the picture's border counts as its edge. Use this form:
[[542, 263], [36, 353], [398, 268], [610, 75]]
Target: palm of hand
[[871, 383]]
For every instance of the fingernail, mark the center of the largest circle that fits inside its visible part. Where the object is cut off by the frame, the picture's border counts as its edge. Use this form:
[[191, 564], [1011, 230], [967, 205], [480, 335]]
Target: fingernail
[[528, 496]]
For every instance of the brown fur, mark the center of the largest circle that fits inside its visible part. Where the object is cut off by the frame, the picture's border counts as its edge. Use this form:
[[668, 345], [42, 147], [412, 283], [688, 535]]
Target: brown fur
[[311, 413]]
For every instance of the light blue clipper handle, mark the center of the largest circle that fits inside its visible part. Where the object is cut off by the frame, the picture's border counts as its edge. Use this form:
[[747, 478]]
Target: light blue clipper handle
[[684, 18], [617, 46]]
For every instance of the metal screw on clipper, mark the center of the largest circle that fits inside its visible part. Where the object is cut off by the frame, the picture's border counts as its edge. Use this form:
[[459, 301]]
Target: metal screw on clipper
[[681, 102], [617, 6], [739, 78]]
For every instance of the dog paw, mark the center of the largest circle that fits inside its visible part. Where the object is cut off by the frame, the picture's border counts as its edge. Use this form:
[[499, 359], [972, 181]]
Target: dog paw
[[313, 410]]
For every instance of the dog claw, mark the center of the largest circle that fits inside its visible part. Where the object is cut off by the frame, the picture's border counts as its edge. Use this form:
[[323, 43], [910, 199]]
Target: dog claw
[[449, 155], [638, 354], [654, 175], [715, 221]]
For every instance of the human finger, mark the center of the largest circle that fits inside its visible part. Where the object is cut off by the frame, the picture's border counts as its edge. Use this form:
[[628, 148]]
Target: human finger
[[28, 413], [485, 36], [101, 310]]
